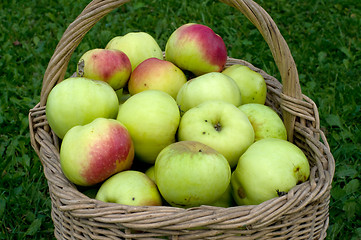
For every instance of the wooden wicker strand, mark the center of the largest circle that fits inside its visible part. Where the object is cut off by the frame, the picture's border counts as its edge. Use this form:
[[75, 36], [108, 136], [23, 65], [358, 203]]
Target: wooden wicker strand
[[71, 38], [301, 214], [280, 51]]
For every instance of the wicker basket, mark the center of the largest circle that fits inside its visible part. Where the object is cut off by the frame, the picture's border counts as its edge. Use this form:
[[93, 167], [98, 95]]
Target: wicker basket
[[300, 214]]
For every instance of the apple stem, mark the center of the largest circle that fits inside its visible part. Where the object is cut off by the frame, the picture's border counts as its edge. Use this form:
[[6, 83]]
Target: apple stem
[[81, 68]]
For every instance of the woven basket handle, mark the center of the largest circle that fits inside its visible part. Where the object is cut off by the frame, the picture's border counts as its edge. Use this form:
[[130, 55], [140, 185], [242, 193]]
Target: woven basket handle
[[97, 9], [280, 51], [71, 38]]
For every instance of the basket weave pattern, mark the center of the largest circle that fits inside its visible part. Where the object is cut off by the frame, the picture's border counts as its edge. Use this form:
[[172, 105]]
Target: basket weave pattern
[[300, 214]]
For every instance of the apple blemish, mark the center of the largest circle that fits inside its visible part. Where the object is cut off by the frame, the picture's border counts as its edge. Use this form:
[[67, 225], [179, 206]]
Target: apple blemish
[[218, 127], [241, 192], [280, 193]]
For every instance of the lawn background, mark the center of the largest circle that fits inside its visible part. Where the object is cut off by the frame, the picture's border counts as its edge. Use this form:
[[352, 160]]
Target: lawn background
[[323, 36]]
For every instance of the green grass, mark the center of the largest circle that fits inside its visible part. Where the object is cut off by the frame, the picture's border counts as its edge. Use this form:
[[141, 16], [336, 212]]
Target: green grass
[[324, 38]]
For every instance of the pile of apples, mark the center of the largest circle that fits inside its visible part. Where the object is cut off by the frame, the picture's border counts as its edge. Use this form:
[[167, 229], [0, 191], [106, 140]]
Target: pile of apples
[[178, 129]]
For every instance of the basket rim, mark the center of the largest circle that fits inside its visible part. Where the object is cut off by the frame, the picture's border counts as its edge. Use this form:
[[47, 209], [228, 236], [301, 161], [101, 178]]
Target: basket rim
[[69, 203]]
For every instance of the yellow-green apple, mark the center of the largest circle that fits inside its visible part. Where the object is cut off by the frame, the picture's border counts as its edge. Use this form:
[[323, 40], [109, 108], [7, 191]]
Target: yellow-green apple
[[220, 125], [268, 167], [190, 173], [138, 46], [226, 200], [265, 121], [150, 172], [91, 153], [130, 187], [154, 73], [209, 86], [252, 84], [111, 66], [78, 101], [196, 48], [152, 118]]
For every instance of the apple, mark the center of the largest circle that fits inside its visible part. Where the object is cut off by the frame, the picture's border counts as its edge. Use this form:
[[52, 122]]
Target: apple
[[152, 118], [91, 153], [196, 48], [111, 66], [226, 200], [265, 121], [130, 188], [150, 172], [154, 73], [209, 86], [220, 125], [78, 101], [268, 167], [252, 85], [190, 173], [138, 46]]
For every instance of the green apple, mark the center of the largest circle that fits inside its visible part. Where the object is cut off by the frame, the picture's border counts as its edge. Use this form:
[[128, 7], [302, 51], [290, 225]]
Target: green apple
[[226, 200], [190, 174], [196, 48], [159, 74], [252, 85], [138, 46], [91, 153], [111, 66], [209, 86], [78, 101], [268, 167], [152, 118], [220, 125], [130, 187], [150, 172], [265, 121]]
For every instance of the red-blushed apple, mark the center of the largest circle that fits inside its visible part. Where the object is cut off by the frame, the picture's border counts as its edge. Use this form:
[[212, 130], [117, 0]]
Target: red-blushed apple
[[220, 125], [138, 46], [152, 119], [130, 187], [110, 66], [78, 101], [252, 84], [268, 167], [190, 173], [196, 48], [91, 153], [154, 73], [265, 121], [209, 86]]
